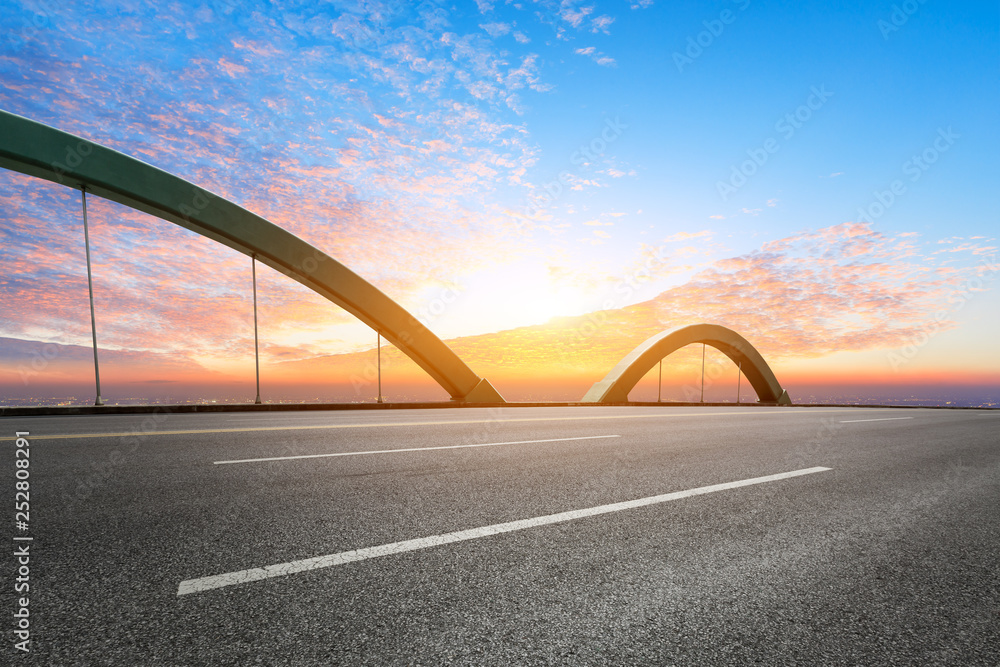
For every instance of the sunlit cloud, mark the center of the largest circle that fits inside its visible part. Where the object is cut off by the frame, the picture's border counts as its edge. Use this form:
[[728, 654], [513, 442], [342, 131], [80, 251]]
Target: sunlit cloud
[[684, 236]]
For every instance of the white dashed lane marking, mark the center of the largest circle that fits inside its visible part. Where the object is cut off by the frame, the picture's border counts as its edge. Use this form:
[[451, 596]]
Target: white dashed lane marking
[[410, 449]]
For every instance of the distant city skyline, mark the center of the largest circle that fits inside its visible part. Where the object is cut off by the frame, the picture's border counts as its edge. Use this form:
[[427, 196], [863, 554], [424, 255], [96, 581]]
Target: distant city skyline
[[545, 185]]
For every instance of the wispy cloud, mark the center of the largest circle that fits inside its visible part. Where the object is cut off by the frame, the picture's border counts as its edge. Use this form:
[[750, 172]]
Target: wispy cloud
[[595, 55], [602, 24], [574, 13], [496, 29]]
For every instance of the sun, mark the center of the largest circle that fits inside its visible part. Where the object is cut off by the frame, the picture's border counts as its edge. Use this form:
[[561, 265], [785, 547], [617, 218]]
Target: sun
[[505, 297]]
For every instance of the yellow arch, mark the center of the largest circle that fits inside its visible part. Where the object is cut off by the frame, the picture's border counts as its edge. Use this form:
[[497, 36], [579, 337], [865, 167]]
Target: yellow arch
[[617, 384], [45, 152]]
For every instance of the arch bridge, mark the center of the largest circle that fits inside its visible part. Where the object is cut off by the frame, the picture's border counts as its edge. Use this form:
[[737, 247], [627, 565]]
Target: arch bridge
[[617, 384], [38, 150]]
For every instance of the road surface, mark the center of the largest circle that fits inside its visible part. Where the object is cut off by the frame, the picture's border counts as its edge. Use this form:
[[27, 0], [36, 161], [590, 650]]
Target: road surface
[[571, 535]]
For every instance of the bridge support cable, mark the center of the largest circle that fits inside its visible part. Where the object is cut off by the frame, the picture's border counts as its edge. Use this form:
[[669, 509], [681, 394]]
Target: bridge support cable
[[739, 379], [256, 345], [90, 290], [379, 348], [702, 372]]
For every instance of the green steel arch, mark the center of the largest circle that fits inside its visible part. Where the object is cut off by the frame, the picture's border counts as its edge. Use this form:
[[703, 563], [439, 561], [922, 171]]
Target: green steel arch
[[38, 150], [617, 384]]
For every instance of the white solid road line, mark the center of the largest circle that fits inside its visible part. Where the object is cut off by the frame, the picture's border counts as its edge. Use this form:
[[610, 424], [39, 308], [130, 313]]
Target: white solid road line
[[410, 449], [883, 419], [283, 569]]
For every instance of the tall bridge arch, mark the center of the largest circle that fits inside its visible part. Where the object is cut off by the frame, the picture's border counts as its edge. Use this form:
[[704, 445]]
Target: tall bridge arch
[[32, 148], [617, 384]]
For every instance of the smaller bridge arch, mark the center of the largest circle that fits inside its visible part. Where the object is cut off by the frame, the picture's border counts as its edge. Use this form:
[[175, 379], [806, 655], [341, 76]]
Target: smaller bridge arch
[[617, 384]]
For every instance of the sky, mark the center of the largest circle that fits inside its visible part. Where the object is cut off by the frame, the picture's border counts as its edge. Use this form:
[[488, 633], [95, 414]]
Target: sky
[[545, 184]]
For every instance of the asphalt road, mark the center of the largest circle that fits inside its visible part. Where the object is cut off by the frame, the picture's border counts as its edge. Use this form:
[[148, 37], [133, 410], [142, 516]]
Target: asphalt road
[[891, 556]]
